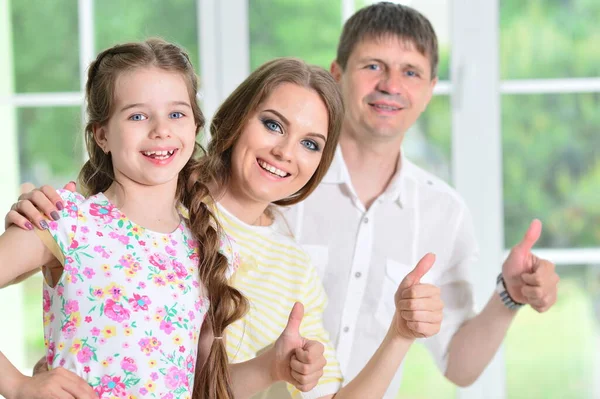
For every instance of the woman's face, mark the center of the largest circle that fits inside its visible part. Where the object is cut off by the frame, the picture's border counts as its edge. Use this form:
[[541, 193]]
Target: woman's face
[[281, 145]]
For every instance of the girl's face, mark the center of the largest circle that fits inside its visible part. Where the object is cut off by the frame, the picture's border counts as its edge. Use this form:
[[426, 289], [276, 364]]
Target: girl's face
[[281, 145], [151, 132]]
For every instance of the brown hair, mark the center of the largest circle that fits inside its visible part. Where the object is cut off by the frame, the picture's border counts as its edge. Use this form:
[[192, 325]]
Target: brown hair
[[226, 303], [231, 118], [388, 19]]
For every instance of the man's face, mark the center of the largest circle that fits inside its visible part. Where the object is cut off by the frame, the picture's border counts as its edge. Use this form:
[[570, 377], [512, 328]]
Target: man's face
[[386, 85]]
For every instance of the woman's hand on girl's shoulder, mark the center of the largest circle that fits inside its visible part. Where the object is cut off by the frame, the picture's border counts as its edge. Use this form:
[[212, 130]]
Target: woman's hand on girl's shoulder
[[34, 206]]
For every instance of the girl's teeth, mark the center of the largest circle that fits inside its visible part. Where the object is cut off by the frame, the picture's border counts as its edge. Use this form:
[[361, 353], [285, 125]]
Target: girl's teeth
[[159, 154]]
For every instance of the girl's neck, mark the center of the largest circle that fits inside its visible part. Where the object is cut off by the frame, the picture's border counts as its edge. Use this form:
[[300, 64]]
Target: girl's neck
[[152, 207]]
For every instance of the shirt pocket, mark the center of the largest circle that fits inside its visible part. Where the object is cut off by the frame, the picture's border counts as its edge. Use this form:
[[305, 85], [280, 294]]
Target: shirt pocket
[[386, 307], [319, 257]]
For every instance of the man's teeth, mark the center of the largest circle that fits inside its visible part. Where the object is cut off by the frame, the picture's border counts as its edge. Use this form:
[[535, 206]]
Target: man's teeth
[[387, 107], [158, 154], [272, 169]]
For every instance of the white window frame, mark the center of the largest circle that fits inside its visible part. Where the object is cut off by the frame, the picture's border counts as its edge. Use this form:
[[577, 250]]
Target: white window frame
[[225, 61]]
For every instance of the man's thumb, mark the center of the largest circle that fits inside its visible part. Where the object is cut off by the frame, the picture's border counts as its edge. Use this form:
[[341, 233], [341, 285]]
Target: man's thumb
[[531, 236], [295, 319], [414, 277]]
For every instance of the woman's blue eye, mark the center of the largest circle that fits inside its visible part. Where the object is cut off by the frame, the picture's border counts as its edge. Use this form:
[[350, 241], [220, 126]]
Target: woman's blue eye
[[272, 125], [311, 145], [176, 115], [137, 117]]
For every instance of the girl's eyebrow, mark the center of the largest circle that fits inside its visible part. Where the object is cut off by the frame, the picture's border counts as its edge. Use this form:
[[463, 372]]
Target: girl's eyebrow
[[134, 105]]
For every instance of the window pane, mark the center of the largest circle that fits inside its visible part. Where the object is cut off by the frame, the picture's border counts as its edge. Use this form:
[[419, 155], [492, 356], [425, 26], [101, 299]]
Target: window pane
[[45, 45], [438, 13], [429, 142], [549, 39], [308, 29], [33, 321], [422, 378], [565, 363], [50, 144], [552, 167], [134, 20]]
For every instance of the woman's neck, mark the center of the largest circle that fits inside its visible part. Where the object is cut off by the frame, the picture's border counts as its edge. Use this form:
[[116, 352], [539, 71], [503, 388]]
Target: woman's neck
[[153, 207], [248, 211]]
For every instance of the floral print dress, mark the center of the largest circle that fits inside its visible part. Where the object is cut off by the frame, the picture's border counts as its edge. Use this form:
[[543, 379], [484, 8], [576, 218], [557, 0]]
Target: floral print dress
[[127, 311]]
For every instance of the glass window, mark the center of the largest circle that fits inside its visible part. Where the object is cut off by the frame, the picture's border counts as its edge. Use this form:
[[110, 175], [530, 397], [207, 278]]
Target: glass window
[[552, 167], [307, 29], [429, 142], [422, 378], [174, 20], [33, 323], [51, 144], [549, 39], [566, 363], [48, 61]]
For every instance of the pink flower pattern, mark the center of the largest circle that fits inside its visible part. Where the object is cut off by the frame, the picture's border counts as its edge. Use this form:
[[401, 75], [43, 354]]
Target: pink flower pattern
[[129, 305]]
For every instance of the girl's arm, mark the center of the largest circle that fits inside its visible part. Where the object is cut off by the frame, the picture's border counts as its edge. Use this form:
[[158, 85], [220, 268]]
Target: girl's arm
[[418, 315], [20, 253]]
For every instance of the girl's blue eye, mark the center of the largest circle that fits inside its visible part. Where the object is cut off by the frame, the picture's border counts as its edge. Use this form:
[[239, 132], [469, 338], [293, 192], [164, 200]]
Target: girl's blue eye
[[176, 115], [137, 117], [311, 145], [272, 125]]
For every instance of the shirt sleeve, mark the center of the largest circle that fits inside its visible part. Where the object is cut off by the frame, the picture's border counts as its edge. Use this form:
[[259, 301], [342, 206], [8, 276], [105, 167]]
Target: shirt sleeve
[[314, 301], [456, 286], [63, 231]]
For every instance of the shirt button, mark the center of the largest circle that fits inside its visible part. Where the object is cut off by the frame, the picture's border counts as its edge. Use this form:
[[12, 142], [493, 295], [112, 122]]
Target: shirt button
[[346, 329], [357, 274], [366, 220]]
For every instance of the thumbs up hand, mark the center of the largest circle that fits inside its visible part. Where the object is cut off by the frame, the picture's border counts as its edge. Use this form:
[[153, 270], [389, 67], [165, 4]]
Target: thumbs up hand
[[418, 306], [298, 361], [529, 279]]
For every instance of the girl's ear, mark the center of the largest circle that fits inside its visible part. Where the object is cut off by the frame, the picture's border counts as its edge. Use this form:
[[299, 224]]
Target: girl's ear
[[100, 137]]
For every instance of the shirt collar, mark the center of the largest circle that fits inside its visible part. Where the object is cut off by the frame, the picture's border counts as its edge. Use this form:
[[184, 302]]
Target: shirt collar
[[396, 190]]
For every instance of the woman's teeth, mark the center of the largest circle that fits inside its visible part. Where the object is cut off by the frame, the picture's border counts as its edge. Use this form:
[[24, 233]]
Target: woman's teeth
[[272, 169]]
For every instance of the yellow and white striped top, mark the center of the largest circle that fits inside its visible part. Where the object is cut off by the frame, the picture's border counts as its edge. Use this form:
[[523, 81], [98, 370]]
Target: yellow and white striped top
[[274, 273]]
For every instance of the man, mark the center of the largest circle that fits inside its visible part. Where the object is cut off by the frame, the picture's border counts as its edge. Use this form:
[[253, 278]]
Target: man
[[376, 213]]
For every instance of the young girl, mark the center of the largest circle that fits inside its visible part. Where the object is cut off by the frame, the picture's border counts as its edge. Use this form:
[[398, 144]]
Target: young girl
[[135, 280], [272, 142]]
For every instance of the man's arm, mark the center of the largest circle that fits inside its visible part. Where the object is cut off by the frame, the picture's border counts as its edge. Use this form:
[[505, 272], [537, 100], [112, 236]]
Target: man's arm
[[529, 280], [475, 343]]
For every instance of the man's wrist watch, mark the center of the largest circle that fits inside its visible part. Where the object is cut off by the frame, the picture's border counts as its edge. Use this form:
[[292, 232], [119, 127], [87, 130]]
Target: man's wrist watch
[[504, 296]]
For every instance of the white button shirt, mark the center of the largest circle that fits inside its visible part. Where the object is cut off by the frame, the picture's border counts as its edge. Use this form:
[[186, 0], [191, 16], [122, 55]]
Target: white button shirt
[[363, 255]]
